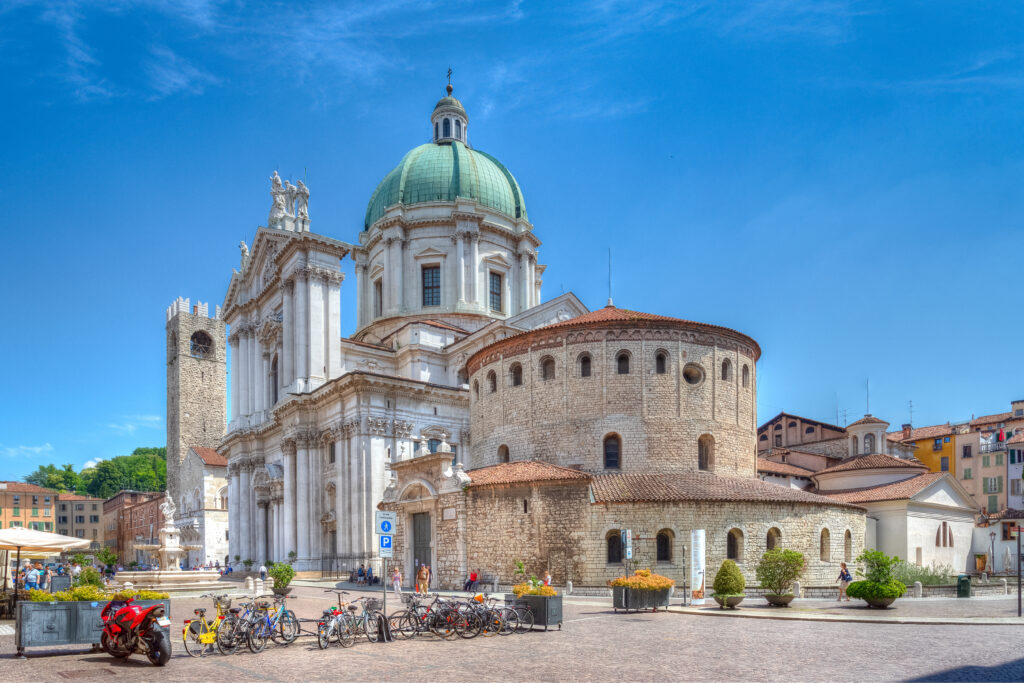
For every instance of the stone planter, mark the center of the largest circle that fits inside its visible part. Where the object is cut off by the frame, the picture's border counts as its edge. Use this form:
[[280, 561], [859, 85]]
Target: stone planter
[[879, 603], [546, 609], [779, 600], [282, 591], [44, 624], [632, 599], [729, 602]]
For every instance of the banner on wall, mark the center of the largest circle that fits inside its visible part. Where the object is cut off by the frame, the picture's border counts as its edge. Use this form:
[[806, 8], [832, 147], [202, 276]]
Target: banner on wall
[[697, 566]]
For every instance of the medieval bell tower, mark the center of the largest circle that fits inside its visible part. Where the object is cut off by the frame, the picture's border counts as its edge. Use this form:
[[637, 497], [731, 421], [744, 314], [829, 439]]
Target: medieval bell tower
[[196, 384]]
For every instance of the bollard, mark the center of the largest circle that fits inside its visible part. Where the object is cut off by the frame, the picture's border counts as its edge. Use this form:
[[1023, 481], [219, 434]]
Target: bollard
[[1006, 589], [129, 586], [259, 586], [918, 589], [984, 577], [494, 586], [568, 587], [796, 589], [248, 584]]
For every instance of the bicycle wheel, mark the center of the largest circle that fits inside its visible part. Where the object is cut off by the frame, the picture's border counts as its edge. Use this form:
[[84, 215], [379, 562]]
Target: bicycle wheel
[[402, 625], [371, 625], [227, 636], [256, 638], [191, 635], [324, 631], [510, 621], [287, 629], [525, 615], [471, 625], [444, 624], [345, 631]]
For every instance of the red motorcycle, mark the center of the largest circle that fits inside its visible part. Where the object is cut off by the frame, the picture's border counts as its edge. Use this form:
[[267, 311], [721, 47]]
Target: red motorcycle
[[132, 628]]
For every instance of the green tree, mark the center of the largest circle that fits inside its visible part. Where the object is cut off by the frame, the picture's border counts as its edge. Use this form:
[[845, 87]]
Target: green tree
[[63, 479], [107, 557], [778, 570]]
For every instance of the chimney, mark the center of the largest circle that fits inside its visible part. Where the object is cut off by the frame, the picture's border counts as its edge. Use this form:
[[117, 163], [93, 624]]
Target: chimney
[[906, 432], [195, 310]]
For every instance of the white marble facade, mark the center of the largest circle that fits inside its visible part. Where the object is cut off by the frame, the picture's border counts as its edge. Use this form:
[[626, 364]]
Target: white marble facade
[[316, 417]]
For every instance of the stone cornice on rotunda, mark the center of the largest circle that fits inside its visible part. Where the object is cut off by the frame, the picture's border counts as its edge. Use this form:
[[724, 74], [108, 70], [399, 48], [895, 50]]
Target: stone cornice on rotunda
[[610, 319]]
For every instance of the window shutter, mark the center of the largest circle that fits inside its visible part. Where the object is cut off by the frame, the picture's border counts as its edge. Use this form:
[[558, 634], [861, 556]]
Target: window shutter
[[999, 480]]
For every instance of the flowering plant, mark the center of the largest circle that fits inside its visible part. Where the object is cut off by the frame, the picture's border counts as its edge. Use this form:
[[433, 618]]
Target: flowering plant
[[643, 580]]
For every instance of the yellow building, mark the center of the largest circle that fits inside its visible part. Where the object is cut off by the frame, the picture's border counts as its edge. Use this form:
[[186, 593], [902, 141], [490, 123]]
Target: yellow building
[[935, 446], [26, 505]]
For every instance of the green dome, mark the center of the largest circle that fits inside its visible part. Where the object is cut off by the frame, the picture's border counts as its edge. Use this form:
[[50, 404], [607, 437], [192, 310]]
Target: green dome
[[434, 172]]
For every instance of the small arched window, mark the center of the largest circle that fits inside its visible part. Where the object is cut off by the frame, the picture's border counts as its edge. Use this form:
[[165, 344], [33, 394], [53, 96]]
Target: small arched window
[[503, 455], [476, 388], [436, 136], [847, 546], [547, 368], [200, 345], [516, 374], [809, 430], [763, 437], [663, 546], [826, 550], [661, 363], [726, 369], [458, 129], [273, 381], [746, 375], [706, 452], [855, 451], [447, 128], [612, 449], [622, 363], [492, 381], [585, 366], [792, 423], [614, 547], [734, 545], [774, 538], [869, 443]]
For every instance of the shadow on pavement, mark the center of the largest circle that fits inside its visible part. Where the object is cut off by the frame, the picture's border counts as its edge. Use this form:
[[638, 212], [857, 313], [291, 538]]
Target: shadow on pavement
[[1010, 671]]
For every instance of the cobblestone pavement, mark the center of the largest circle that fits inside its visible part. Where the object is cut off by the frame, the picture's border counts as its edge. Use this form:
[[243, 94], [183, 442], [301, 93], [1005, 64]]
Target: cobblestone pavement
[[950, 608], [594, 644]]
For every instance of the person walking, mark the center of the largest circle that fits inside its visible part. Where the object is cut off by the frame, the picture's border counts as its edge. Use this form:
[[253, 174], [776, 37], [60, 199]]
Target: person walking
[[263, 572], [844, 581], [45, 578], [422, 579], [396, 583], [31, 578]]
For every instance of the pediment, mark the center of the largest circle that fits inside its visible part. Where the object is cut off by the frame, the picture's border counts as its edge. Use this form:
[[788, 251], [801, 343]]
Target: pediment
[[497, 258], [430, 252]]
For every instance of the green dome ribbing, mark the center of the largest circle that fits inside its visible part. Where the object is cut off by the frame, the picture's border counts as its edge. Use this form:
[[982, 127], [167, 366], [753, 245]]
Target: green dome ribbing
[[441, 172]]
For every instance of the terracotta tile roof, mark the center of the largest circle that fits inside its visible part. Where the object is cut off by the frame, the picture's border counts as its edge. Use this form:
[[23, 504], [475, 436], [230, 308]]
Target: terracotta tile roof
[[523, 471], [1007, 513], [1017, 438], [992, 419], [75, 496], [22, 487], [868, 420], [808, 420], [649, 488], [764, 465], [210, 456], [899, 490], [923, 433], [875, 461]]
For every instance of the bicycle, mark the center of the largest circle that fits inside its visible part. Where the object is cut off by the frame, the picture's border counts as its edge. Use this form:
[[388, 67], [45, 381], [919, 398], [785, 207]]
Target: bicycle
[[272, 621], [336, 624], [200, 635], [235, 627], [368, 622]]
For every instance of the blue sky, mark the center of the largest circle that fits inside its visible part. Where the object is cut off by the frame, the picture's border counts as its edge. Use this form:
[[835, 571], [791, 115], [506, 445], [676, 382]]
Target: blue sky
[[840, 180]]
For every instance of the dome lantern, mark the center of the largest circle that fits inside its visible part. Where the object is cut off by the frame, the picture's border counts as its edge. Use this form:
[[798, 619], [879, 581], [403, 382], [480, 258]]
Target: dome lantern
[[449, 120]]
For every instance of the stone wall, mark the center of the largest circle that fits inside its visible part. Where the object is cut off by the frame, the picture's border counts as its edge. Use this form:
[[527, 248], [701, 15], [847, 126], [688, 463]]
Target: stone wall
[[659, 417]]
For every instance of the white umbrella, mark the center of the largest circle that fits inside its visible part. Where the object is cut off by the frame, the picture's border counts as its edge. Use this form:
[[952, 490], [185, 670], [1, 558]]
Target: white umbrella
[[31, 541]]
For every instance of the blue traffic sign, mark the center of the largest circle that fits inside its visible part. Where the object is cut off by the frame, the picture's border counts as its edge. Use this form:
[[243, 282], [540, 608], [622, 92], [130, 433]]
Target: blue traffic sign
[[385, 526], [385, 541]]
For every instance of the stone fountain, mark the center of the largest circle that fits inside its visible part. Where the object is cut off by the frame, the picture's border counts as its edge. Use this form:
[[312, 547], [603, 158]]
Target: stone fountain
[[170, 577]]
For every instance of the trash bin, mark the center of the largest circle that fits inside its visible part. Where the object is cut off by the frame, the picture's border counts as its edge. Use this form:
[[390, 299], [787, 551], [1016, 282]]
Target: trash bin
[[963, 586]]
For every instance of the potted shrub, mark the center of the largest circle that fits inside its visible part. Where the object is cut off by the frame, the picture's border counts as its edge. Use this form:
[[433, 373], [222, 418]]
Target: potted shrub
[[879, 588], [729, 584], [776, 572], [641, 590], [543, 601], [282, 573], [248, 565]]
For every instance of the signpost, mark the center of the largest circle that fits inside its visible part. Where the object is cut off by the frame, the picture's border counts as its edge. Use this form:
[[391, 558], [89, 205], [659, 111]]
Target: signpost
[[1017, 530], [384, 526], [627, 544]]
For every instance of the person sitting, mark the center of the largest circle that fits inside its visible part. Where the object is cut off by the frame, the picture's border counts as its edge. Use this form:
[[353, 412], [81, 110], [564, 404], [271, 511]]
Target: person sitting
[[470, 582]]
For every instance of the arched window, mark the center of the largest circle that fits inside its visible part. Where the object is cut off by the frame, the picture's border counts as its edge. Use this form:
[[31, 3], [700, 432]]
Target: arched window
[[809, 430], [869, 443], [585, 366], [706, 452], [476, 388], [503, 454], [661, 363], [949, 532], [826, 550], [547, 368], [847, 546], [201, 346], [792, 423], [777, 426], [458, 129], [612, 449], [436, 136], [774, 538], [516, 374], [855, 451], [614, 546], [492, 381], [447, 128], [663, 546], [734, 545], [763, 437], [726, 369], [622, 363], [273, 381], [746, 375]]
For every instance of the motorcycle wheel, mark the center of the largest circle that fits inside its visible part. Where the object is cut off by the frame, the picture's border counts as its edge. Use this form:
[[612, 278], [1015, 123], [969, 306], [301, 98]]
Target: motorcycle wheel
[[110, 646], [159, 648]]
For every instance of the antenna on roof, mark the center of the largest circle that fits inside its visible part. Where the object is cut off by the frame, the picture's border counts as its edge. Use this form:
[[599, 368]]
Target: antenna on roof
[[910, 404], [610, 276], [867, 391], [837, 407]]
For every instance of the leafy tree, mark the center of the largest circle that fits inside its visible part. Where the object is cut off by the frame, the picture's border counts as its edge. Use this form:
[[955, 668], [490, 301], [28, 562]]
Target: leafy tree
[[63, 479], [107, 557], [144, 470], [778, 570], [161, 451]]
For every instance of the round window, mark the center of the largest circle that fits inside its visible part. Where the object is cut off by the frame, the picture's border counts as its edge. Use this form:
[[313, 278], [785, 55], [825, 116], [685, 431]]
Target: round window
[[693, 373]]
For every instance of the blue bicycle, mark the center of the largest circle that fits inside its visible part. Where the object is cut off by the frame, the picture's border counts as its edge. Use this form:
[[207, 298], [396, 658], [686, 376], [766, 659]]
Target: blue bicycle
[[273, 622]]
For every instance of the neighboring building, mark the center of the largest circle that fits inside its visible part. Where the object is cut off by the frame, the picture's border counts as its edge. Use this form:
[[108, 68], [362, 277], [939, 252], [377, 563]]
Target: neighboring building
[[117, 522], [81, 517], [27, 505], [1008, 421], [995, 537], [784, 474], [924, 517], [785, 430], [1015, 471], [203, 509], [142, 522], [934, 446], [969, 467]]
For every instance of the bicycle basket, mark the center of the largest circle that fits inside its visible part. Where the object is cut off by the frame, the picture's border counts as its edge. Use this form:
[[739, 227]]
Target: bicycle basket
[[224, 602], [263, 604], [408, 598], [372, 605]]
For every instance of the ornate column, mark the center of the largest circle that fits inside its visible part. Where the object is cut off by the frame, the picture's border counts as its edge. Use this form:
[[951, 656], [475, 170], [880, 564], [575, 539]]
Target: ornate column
[[449, 283], [315, 328], [387, 295], [288, 534], [245, 513], [340, 489], [334, 280], [261, 369], [302, 492], [233, 340], [243, 376], [261, 528], [267, 391], [524, 261], [460, 253], [362, 317], [286, 363], [301, 331], [355, 481], [315, 493], [531, 260], [398, 263], [475, 240], [233, 510], [253, 371]]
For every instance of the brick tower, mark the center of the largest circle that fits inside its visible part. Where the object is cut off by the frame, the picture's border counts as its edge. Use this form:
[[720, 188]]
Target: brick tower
[[196, 384]]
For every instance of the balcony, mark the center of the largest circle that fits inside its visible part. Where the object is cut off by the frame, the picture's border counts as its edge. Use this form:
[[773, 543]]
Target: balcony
[[993, 447]]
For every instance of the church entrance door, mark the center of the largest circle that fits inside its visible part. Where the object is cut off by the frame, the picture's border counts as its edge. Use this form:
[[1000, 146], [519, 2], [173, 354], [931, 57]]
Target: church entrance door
[[420, 539]]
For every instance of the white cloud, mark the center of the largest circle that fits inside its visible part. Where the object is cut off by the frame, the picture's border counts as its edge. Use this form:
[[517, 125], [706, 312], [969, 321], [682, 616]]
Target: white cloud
[[168, 74], [91, 463], [26, 451], [131, 423]]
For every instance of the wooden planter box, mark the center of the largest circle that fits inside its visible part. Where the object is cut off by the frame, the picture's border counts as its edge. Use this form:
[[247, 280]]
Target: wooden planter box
[[43, 624], [547, 609], [630, 598]]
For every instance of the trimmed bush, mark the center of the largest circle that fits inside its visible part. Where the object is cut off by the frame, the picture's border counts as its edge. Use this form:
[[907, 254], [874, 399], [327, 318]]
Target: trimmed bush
[[879, 577], [282, 573], [644, 580], [870, 590], [729, 580], [778, 569]]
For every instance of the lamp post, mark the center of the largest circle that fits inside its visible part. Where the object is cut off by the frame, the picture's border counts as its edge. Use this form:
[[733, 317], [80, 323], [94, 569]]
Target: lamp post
[[992, 552]]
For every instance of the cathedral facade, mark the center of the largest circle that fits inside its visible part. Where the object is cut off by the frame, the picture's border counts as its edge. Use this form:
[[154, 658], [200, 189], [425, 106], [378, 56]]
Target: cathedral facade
[[499, 426]]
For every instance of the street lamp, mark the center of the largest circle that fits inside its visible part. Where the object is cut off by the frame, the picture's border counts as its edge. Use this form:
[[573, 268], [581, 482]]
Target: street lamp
[[992, 551]]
